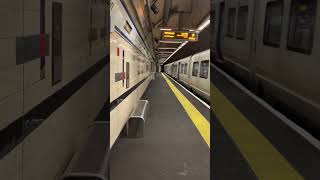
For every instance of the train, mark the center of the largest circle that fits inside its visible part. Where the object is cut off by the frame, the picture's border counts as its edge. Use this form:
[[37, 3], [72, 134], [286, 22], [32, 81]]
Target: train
[[193, 72], [130, 68], [271, 47]]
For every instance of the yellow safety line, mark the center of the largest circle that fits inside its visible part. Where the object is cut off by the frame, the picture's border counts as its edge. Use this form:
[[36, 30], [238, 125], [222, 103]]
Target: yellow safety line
[[197, 118], [264, 159]]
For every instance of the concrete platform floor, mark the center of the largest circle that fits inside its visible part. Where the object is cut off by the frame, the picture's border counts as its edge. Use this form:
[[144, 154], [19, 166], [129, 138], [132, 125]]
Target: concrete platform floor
[[172, 148]]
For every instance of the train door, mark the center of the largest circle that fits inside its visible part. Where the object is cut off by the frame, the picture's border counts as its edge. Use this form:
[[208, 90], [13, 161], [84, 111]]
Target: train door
[[179, 69], [188, 67], [220, 30]]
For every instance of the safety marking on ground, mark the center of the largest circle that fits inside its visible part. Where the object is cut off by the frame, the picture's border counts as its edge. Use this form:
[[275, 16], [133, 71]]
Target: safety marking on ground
[[196, 97], [201, 123], [262, 156], [305, 134]]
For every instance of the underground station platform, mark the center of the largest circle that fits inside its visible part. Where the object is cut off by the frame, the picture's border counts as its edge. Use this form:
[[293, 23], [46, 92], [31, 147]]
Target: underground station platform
[[176, 142], [251, 140]]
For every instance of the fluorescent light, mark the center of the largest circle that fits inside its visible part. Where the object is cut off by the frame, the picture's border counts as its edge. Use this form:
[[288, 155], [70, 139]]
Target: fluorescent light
[[200, 28], [204, 25], [165, 52], [183, 44], [169, 41], [167, 48], [165, 29]]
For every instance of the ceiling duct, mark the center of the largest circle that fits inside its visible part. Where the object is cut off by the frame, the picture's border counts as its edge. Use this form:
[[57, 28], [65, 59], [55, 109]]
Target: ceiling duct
[[173, 7], [154, 7], [141, 26], [166, 12]]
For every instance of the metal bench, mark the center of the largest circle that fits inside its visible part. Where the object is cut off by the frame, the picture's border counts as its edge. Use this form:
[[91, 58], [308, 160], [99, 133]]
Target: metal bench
[[137, 119], [153, 77], [92, 161]]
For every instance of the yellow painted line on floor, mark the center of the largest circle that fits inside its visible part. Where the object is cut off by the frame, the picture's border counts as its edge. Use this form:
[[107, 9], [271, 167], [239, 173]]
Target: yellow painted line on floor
[[201, 123], [266, 162]]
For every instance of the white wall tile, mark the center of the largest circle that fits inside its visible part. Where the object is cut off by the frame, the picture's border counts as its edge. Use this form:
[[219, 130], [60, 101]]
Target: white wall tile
[[10, 109], [10, 165]]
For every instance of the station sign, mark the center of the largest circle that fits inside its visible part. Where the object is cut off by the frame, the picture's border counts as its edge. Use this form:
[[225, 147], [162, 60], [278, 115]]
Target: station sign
[[180, 35]]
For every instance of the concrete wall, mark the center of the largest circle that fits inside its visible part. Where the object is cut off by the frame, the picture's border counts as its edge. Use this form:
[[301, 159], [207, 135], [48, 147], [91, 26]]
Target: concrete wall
[[44, 154]]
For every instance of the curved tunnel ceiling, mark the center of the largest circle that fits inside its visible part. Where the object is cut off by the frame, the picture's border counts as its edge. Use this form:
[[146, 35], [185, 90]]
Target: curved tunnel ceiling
[[193, 47], [174, 14]]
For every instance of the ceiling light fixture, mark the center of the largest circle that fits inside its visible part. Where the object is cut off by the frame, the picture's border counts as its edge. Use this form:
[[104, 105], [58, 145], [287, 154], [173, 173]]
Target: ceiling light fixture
[[165, 29], [165, 52], [162, 41], [200, 28], [204, 25], [167, 48]]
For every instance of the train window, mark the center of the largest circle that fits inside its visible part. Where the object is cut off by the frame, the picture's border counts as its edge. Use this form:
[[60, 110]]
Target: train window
[[174, 69], [273, 23], [301, 25], [204, 68], [231, 21], [186, 68], [195, 69], [182, 68], [242, 22]]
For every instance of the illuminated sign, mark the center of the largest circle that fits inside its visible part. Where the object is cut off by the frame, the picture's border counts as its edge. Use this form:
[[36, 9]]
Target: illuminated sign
[[180, 35]]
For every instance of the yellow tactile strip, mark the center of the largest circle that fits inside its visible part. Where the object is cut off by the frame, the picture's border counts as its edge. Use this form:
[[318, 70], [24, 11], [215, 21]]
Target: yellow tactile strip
[[264, 159], [201, 123]]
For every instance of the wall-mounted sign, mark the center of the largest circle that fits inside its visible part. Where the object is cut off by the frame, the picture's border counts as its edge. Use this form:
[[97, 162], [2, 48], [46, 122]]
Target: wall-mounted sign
[[127, 27], [180, 35], [111, 5]]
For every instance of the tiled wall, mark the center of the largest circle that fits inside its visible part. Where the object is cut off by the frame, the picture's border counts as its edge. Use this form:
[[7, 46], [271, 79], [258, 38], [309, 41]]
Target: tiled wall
[[120, 114], [44, 154]]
